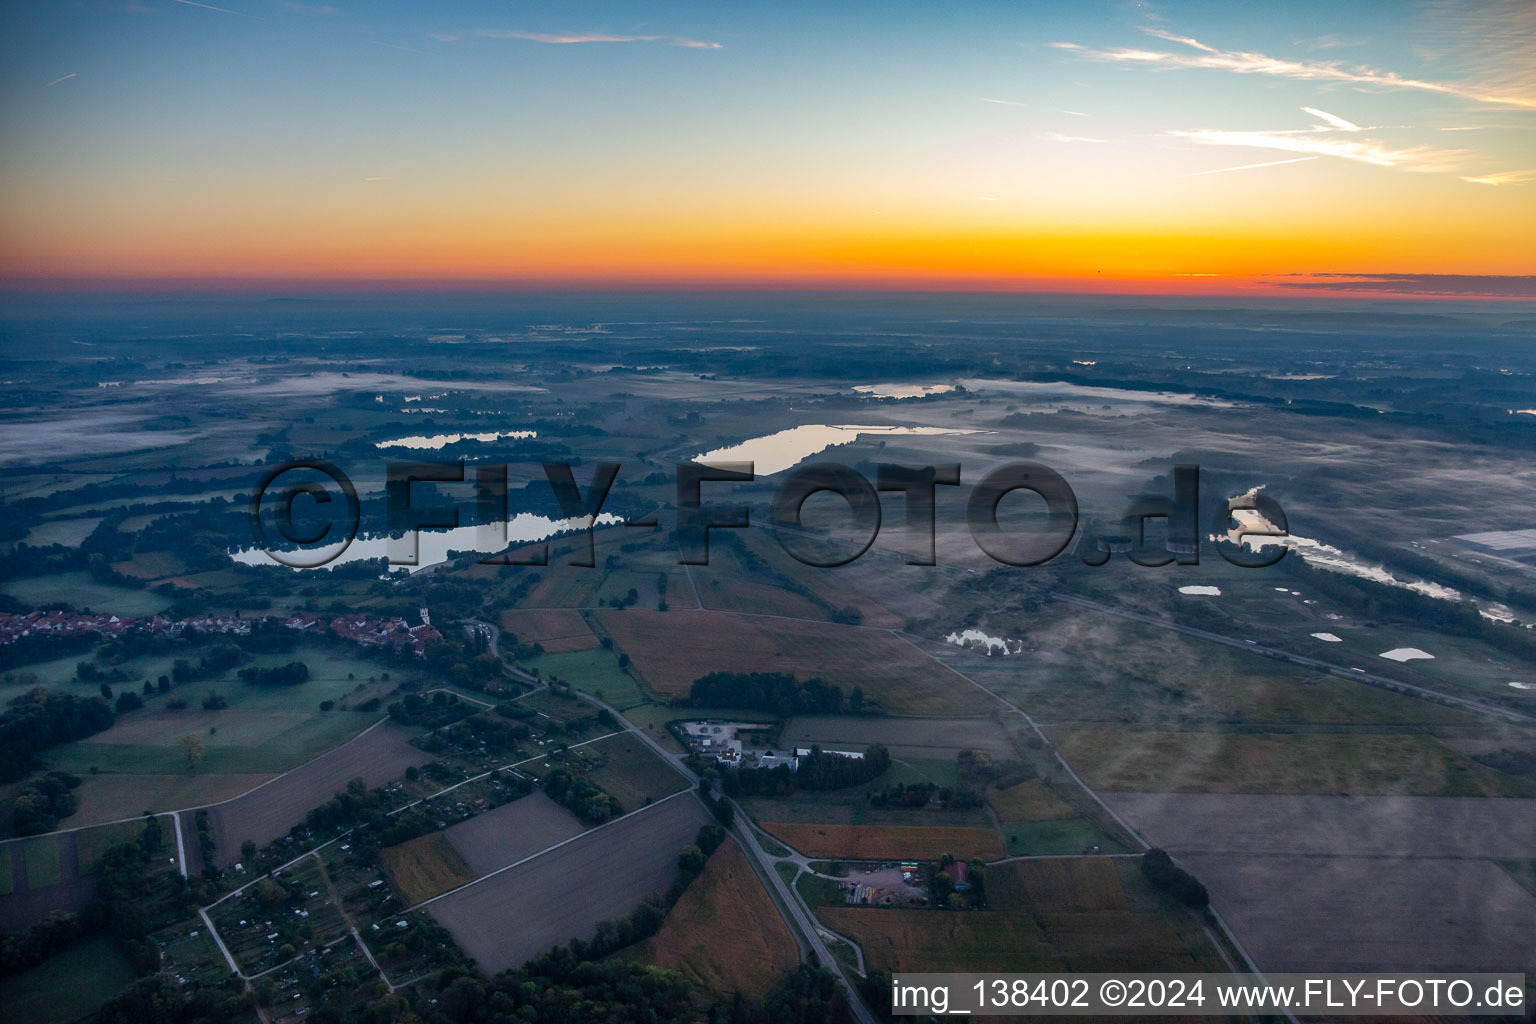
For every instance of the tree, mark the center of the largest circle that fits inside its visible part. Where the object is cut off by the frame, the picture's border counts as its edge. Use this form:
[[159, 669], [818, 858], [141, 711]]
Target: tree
[[248, 850], [192, 751]]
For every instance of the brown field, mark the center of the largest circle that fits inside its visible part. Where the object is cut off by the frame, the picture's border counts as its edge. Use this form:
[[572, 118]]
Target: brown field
[[424, 867], [1079, 885], [377, 756], [503, 921], [888, 842], [1368, 914], [108, 796], [725, 933], [937, 940], [557, 631], [1028, 801], [672, 649], [719, 591], [511, 832], [1301, 763]]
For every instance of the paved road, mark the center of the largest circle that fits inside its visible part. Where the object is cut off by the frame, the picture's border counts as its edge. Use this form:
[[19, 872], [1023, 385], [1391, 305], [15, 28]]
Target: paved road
[[800, 916]]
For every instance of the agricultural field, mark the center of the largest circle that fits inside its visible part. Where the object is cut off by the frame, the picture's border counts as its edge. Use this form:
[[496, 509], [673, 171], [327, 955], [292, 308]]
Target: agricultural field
[[268, 812], [939, 940], [510, 917], [887, 842], [556, 630], [1366, 913], [725, 933], [108, 796], [595, 671], [505, 835], [1358, 872], [67, 986], [424, 867], [672, 649], [93, 843], [1075, 885], [1311, 763], [263, 729], [42, 857], [82, 592], [1026, 802], [1088, 914], [628, 770]]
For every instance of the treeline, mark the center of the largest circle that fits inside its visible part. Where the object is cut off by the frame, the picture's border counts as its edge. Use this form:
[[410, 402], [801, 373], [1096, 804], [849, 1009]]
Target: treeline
[[39, 719], [291, 674], [1162, 872], [778, 692], [817, 770]]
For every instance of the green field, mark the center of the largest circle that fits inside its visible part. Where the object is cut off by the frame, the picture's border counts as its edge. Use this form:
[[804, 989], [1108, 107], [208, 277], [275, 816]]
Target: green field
[[81, 591], [239, 743], [1055, 838], [264, 729], [595, 671], [42, 860], [630, 772], [68, 532], [92, 843], [68, 986]]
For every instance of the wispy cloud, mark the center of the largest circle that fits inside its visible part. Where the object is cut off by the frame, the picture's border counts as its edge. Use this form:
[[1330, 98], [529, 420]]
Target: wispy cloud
[[1501, 178], [1488, 285], [1243, 62], [61, 78], [1254, 167], [1323, 140], [1335, 122], [1061, 137], [1005, 103], [221, 10], [568, 39]]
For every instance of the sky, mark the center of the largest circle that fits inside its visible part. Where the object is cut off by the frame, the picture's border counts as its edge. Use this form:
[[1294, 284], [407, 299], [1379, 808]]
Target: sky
[[1296, 148]]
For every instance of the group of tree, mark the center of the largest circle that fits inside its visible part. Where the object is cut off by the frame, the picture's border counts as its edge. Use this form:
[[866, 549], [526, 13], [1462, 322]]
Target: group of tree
[[1162, 872], [777, 692], [291, 674], [582, 797], [442, 709], [39, 719], [117, 910], [43, 802]]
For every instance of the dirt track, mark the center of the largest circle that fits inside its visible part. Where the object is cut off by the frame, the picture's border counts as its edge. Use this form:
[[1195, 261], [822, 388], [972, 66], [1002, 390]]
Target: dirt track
[[505, 920], [267, 813]]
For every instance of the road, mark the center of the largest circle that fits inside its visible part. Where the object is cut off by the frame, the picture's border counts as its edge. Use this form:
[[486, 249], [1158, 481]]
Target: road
[[800, 918]]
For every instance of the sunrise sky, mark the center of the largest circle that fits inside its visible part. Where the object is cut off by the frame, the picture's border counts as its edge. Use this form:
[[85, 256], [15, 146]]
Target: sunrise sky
[[1158, 147]]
